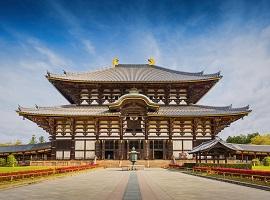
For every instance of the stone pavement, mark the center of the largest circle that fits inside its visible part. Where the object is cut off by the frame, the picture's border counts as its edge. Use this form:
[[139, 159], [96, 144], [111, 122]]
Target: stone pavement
[[114, 184]]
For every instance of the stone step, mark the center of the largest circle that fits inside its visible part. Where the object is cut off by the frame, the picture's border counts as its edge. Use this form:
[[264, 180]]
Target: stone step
[[146, 163]]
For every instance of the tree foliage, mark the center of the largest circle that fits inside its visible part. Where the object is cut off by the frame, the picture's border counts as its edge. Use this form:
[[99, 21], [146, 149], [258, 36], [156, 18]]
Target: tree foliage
[[17, 142], [11, 161], [241, 139], [33, 140], [261, 139], [2, 162], [266, 161], [41, 139]]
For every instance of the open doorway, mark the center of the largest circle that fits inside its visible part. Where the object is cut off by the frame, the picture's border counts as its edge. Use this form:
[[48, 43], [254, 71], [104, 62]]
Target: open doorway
[[109, 155], [158, 154]]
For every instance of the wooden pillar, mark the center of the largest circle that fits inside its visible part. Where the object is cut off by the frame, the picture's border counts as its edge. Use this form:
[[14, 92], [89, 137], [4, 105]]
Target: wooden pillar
[[114, 150], [194, 130], [72, 150], [200, 158], [205, 157], [153, 150], [53, 146], [196, 157], [127, 149], [52, 125], [121, 143], [146, 149], [103, 150], [164, 149], [214, 161], [170, 142], [146, 141], [242, 156], [225, 158], [218, 159]]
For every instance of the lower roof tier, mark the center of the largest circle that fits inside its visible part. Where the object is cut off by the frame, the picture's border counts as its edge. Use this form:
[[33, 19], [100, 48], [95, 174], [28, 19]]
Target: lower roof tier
[[166, 111]]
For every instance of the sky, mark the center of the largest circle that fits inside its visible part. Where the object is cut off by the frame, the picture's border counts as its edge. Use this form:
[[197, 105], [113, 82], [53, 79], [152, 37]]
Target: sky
[[228, 36]]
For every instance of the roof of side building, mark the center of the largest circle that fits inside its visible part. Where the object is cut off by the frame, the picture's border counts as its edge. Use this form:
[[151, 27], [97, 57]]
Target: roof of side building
[[205, 146], [25, 147]]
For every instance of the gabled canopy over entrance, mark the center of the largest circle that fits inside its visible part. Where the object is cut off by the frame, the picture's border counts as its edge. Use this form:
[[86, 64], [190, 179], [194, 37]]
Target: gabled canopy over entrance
[[134, 101]]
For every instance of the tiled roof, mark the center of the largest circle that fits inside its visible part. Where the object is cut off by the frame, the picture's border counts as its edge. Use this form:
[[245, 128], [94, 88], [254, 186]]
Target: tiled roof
[[184, 110], [254, 148], [26, 147], [235, 147], [134, 73]]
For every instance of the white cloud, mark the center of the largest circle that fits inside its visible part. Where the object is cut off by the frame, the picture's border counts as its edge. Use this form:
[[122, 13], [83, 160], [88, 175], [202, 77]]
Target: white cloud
[[22, 81], [242, 56]]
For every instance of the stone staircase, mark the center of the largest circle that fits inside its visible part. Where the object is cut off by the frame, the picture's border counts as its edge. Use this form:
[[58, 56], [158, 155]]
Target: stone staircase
[[146, 163]]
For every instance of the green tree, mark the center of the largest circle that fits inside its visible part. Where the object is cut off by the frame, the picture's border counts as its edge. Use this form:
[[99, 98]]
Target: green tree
[[41, 139], [250, 136], [266, 161], [2, 162], [11, 161], [261, 139], [241, 139], [33, 140]]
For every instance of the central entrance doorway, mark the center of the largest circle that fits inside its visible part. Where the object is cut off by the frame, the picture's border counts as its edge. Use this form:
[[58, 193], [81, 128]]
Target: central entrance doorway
[[110, 149], [156, 147]]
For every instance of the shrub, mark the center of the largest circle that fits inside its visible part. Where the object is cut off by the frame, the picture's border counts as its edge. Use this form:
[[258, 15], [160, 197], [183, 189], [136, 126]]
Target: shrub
[[189, 165], [236, 166], [256, 162], [11, 161], [2, 162], [266, 161]]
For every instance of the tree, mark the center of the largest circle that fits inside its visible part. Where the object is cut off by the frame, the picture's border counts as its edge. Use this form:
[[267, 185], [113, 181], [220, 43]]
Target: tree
[[261, 140], [241, 139], [18, 142], [266, 161], [2, 162], [250, 136], [33, 140], [11, 161], [41, 139]]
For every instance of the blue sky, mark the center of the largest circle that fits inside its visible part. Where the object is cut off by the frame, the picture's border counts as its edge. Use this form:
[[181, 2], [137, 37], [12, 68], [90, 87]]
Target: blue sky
[[228, 36]]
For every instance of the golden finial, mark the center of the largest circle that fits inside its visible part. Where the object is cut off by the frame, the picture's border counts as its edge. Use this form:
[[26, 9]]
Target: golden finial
[[115, 62], [151, 61]]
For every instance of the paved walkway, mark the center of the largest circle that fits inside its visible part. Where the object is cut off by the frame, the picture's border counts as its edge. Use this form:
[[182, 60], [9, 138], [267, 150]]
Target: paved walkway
[[114, 184]]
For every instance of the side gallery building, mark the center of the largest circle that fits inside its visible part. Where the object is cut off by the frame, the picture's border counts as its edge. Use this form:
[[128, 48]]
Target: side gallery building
[[111, 110]]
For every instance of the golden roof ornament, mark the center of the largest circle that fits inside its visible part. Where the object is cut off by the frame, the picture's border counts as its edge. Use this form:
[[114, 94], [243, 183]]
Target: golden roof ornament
[[151, 61], [115, 62]]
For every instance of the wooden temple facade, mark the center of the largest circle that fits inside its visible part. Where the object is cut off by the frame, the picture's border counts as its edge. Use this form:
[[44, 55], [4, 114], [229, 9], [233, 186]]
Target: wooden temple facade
[[111, 110]]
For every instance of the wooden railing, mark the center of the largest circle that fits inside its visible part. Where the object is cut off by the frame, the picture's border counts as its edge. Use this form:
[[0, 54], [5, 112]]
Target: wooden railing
[[44, 172]]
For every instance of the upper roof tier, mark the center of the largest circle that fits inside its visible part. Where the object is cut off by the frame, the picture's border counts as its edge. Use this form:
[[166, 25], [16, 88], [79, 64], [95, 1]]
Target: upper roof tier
[[134, 73]]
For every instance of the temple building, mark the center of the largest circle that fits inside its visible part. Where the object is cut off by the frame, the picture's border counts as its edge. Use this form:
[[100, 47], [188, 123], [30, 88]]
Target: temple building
[[145, 106]]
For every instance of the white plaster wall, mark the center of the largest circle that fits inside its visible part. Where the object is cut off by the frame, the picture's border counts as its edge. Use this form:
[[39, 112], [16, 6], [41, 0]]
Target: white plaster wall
[[177, 145], [79, 145]]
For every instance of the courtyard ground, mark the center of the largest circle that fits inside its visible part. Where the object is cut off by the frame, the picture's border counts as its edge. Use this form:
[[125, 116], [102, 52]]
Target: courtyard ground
[[148, 184]]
